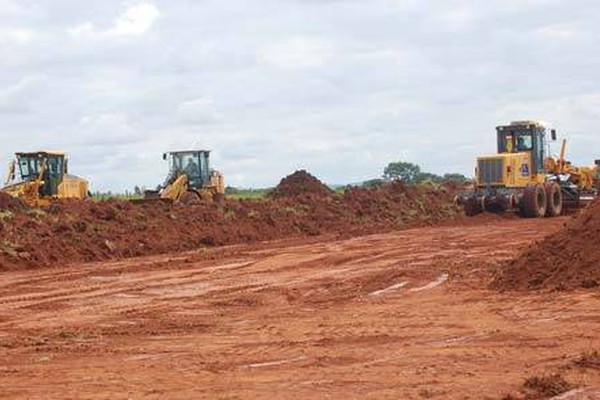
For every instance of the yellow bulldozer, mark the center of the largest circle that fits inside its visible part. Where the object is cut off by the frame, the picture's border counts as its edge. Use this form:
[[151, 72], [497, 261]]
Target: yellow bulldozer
[[40, 177], [524, 177], [190, 179]]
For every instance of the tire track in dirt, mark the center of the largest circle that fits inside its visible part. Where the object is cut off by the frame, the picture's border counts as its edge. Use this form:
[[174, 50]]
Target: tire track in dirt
[[295, 318]]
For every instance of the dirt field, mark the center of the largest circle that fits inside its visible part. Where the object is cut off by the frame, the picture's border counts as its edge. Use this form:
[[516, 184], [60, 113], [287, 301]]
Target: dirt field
[[404, 315]]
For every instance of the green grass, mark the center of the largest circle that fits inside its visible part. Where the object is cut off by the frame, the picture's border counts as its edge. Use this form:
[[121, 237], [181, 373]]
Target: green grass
[[115, 196], [246, 194]]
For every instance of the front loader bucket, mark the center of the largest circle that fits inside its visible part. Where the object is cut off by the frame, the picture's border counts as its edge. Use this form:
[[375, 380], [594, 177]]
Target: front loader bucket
[[152, 196]]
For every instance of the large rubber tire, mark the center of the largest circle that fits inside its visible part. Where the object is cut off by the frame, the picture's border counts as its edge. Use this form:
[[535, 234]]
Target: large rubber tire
[[554, 199], [534, 202]]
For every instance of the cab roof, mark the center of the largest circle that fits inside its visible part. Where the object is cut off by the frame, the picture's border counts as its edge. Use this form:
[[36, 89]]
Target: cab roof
[[188, 151], [41, 153], [527, 124]]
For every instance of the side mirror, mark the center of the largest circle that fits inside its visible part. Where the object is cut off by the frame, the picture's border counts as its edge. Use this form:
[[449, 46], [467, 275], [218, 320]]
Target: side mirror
[[66, 166], [165, 156], [597, 162], [553, 134]]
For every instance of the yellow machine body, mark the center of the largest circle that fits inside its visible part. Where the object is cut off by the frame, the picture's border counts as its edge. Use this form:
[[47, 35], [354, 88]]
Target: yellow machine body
[[38, 178], [190, 179], [510, 170], [523, 176]]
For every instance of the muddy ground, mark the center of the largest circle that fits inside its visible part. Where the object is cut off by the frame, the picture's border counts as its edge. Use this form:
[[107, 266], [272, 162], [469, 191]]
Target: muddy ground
[[71, 231], [562, 261], [402, 315]]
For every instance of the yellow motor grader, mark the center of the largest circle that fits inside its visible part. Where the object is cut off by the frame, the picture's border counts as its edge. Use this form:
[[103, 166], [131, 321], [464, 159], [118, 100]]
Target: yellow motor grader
[[40, 177], [523, 176], [190, 179]]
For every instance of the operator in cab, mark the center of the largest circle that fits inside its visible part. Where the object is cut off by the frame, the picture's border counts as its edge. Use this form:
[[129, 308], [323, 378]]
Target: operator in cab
[[191, 169]]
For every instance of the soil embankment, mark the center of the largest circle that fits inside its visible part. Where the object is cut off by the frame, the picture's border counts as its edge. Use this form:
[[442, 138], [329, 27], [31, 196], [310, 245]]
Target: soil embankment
[[566, 260], [300, 206]]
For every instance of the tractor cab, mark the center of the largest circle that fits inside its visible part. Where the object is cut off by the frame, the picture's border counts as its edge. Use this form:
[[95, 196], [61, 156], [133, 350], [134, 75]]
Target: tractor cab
[[39, 177], [193, 163], [525, 137], [49, 168]]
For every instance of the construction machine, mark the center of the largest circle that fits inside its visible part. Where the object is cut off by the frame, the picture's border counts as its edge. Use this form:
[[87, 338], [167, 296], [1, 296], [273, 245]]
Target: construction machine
[[524, 177], [190, 179], [40, 177]]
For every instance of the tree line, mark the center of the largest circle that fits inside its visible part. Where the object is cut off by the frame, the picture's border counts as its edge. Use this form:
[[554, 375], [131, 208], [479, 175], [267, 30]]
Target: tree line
[[412, 174]]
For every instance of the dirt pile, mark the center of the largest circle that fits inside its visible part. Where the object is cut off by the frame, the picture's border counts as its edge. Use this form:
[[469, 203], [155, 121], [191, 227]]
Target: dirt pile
[[9, 203], [68, 232], [542, 388], [397, 204], [300, 183], [566, 260]]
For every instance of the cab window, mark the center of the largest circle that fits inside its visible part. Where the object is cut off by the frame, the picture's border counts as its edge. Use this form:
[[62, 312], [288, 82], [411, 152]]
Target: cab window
[[29, 167], [524, 143]]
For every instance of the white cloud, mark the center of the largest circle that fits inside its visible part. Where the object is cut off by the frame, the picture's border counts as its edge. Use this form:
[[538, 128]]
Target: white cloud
[[340, 87], [135, 21], [18, 96], [16, 35], [84, 30], [457, 19], [199, 111], [296, 52], [10, 8], [559, 31], [106, 129]]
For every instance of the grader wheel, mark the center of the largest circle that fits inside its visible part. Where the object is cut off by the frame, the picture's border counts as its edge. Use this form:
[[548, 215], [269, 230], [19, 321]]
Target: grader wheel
[[534, 202], [554, 199], [473, 207]]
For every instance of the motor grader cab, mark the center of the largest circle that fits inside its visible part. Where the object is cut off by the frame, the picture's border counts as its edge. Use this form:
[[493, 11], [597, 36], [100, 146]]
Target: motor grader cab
[[190, 178], [40, 177], [523, 176]]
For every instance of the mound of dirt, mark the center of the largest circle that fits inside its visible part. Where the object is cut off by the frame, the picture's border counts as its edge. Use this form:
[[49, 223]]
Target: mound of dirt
[[398, 205], [542, 388], [9, 203], [566, 260], [300, 183], [71, 231]]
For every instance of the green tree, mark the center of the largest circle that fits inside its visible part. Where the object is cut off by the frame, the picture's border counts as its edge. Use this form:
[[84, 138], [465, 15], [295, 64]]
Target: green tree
[[402, 171], [456, 178], [373, 183], [427, 177]]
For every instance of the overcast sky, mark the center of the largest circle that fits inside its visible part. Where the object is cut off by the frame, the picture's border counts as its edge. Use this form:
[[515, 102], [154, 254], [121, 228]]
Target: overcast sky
[[338, 87]]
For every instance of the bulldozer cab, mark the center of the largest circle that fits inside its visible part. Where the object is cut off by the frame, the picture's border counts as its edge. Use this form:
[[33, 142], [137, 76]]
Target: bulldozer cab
[[524, 137], [50, 168], [194, 164]]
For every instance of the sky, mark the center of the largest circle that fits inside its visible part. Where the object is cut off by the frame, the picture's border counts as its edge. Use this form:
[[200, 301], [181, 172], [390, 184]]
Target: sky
[[338, 87]]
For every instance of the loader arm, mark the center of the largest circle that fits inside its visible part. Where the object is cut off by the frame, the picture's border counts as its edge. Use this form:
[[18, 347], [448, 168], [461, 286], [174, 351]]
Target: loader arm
[[10, 176], [175, 190], [562, 160]]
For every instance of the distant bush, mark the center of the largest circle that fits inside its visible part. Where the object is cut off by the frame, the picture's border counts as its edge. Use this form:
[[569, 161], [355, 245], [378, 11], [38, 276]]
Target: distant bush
[[237, 193], [413, 175]]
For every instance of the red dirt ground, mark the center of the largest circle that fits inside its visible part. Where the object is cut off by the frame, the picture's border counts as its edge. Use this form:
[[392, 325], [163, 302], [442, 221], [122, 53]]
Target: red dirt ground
[[402, 315], [566, 260], [69, 232]]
